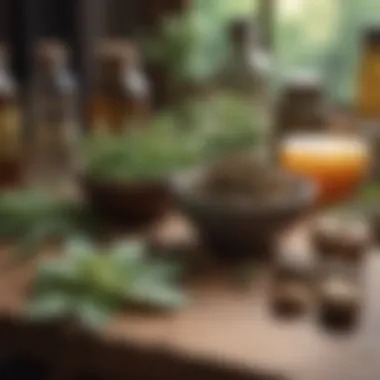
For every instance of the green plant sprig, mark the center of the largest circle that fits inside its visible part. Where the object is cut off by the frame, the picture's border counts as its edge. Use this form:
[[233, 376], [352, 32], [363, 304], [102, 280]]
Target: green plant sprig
[[29, 218], [90, 285]]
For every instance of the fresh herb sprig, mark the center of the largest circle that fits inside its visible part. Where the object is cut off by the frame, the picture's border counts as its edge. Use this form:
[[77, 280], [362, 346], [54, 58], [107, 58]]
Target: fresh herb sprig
[[30, 217], [91, 284]]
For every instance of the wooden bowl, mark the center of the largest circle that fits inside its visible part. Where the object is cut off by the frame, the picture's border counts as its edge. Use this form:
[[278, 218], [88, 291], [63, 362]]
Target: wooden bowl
[[234, 231], [128, 202]]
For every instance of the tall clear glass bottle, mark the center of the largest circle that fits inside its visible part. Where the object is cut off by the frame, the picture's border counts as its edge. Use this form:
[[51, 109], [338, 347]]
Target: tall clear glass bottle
[[121, 96], [56, 123], [11, 149], [247, 73], [248, 68]]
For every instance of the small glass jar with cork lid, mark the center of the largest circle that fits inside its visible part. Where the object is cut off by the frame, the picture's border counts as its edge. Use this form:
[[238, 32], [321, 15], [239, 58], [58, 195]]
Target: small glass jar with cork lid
[[121, 97]]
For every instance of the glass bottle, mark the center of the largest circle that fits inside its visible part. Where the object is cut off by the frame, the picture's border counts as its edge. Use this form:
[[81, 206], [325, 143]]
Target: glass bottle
[[248, 68], [56, 123], [121, 96], [247, 73], [368, 95], [11, 152]]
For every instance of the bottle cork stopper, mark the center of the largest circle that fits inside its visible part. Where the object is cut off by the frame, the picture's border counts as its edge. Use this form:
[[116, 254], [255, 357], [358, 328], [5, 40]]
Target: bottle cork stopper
[[372, 35], [240, 28], [303, 83]]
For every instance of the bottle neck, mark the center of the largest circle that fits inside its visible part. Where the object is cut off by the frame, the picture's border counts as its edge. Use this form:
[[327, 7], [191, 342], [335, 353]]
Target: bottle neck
[[50, 69], [116, 72]]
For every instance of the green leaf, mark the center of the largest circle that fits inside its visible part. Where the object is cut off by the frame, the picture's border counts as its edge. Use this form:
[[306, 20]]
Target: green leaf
[[30, 244], [129, 252], [99, 283], [93, 313], [156, 297], [159, 271], [79, 249], [49, 306], [152, 294]]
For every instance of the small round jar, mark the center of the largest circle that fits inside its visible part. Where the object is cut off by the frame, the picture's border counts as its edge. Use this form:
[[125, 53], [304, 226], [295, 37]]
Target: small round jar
[[339, 237], [340, 300], [290, 297]]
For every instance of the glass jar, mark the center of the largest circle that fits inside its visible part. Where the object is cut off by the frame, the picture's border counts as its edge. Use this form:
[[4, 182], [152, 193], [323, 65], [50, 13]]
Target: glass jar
[[338, 165], [121, 96]]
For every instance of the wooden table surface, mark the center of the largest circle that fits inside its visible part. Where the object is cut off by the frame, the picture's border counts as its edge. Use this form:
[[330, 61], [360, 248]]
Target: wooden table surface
[[224, 324]]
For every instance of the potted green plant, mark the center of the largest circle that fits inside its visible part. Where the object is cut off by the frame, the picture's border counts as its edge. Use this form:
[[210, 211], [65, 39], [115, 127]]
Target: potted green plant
[[126, 177]]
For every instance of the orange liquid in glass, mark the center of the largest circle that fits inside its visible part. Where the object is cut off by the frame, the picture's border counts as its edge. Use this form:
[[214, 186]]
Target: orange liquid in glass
[[338, 165]]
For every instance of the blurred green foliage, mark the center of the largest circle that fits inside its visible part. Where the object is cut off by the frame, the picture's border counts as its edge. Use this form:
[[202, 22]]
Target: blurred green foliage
[[193, 45], [323, 35], [160, 150], [214, 126], [328, 35], [91, 284], [31, 217]]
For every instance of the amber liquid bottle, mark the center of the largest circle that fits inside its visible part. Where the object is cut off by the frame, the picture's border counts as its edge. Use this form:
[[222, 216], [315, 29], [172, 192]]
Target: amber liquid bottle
[[11, 152], [121, 95], [56, 124], [368, 95]]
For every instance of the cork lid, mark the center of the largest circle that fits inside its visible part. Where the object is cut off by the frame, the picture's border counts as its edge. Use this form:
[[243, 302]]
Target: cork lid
[[303, 83], [51, 52], [118, 52], [372, 35]]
